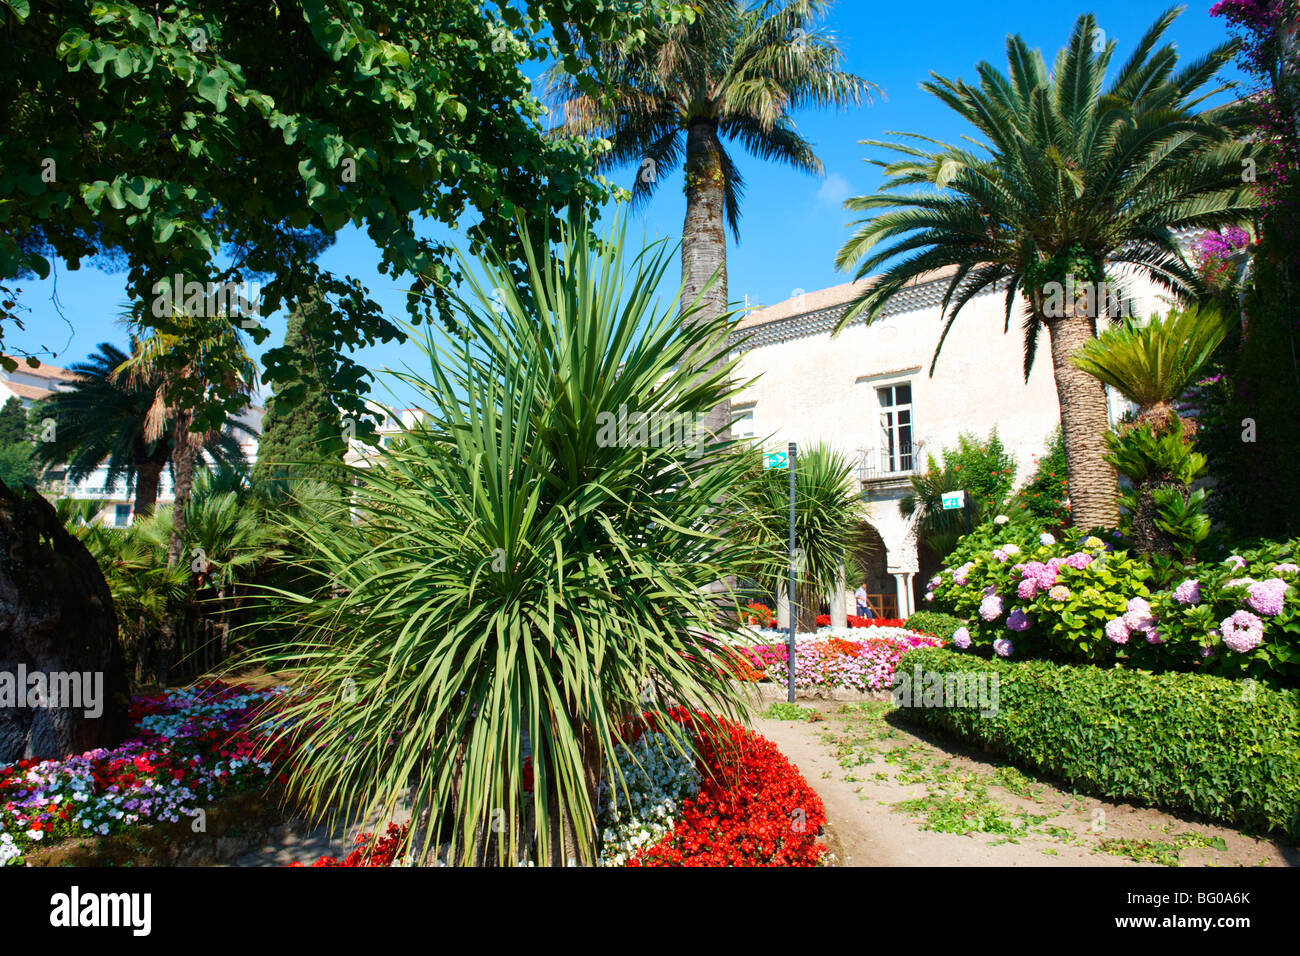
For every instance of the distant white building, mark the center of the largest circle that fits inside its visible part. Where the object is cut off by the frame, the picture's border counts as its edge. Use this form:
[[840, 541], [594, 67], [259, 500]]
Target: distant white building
[[31, 385], [869, 393]]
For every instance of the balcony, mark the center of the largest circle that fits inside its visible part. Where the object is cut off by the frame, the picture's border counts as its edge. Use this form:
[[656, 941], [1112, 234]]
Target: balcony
[[879, 466]]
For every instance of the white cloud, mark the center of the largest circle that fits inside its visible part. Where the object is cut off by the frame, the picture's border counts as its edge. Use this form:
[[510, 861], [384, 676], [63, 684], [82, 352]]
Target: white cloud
[[833, 191]]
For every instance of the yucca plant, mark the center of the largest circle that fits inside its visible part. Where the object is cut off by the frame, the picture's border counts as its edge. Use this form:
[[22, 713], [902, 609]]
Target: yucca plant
[[827, 512], [1079, 168], [518, 570]]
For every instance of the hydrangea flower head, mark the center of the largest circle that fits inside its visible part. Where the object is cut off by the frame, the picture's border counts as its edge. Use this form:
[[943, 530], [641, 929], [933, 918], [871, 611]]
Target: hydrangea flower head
[[1286, 568], [1059, 593], [1243, 631], [1026, 589], [991, 607], [1046, 540], [1017, 620], [1117, 630], [1003, 647], [1092, 541], [1138, 614], [1267, 597], [961, 638], [1236, 560], [1189, 592], [1001, 519]]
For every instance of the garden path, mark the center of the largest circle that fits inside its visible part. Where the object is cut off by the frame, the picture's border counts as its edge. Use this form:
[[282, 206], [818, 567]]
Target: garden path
[[897, 798]]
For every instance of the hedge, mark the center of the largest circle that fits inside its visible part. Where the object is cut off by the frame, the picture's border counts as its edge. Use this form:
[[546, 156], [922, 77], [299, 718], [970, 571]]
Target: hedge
[[934, 622], [1226, 749]]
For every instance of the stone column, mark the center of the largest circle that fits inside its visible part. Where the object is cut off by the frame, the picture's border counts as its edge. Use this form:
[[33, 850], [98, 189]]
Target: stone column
[[782, 606], [900, 585], [839, 601]]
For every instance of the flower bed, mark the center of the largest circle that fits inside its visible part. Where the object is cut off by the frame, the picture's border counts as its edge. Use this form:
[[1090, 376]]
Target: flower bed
[[1081, 599], [741, 804], [193, 747], [830, 658]]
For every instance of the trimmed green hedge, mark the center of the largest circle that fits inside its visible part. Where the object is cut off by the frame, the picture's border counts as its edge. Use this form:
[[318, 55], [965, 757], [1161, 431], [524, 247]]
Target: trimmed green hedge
[[935, 622], [1223, 748]]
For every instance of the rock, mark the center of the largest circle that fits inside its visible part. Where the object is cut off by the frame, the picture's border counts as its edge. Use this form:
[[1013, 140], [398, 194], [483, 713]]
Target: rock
[[56, 618]]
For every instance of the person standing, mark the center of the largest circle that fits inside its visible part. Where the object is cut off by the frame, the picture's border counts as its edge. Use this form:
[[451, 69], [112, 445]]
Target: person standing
[[864, 606]]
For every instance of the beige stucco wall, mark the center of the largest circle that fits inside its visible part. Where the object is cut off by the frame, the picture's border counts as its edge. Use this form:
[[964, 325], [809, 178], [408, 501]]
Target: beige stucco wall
[[816, 388]]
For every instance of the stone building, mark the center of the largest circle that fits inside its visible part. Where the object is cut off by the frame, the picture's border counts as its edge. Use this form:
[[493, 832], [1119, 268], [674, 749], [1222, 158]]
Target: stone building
[[870, 393]]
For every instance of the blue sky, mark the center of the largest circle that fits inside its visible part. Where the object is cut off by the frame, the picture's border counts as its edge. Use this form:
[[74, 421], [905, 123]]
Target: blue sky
[[792, 223]]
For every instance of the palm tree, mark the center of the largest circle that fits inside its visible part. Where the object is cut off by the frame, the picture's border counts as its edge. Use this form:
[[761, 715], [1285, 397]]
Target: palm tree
[[1077, 173], [827, 510], [205, 357], [1152, 365], [735, 72], [102, 419], [515, 570]]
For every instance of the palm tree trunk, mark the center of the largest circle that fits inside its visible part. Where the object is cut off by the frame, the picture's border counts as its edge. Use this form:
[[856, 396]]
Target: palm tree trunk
[[148, 474], [704, 247], [185, 449], [1092, 484]]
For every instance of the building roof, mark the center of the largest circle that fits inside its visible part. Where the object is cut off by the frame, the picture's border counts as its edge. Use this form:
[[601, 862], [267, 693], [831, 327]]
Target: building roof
[[31, 392], [43, 370], [837, 295]]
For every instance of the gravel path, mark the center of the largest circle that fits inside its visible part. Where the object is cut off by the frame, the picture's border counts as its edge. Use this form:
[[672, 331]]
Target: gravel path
[[963, 809]]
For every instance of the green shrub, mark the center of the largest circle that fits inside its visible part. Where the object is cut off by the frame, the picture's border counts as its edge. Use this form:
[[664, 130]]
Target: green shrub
[[934, 622], [1222, 748]]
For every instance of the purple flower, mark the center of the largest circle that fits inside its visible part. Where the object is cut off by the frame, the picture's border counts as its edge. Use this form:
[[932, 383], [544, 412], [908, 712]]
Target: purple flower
[[1267, 597], [1243, 631], [1189, 592], [1152, 635], [1003, 647], [1117, 630], [961, 638], [1017, 620], [991, 607]]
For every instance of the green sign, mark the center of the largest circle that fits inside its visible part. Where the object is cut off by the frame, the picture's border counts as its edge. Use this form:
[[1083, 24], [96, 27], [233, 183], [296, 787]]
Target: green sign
[[777, 459], [952, 500]]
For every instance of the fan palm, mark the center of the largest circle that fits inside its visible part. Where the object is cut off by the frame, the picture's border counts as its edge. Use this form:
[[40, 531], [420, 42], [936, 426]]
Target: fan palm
[[515, 569], [737, 71], [1075, 173], [102, 419], [827, 511]]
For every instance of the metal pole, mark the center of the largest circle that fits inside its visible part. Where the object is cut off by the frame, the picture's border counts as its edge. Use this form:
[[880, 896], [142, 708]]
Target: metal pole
[[966, 503], [792, 603]]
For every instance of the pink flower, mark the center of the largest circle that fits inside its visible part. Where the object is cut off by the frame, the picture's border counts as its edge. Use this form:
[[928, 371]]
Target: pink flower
[[961, 638], [1027, 589], [1267, 597], [1138, 614], [1117, 630], [1152, 635], [1079, 560], [1189, 592], [1287, 568], [1003, 647], [1243, 631], [959, 576], [1059, 593], [991, 607], [1236, 560]]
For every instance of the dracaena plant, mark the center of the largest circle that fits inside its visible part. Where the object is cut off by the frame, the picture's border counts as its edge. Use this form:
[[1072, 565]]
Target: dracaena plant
[[515, 572]]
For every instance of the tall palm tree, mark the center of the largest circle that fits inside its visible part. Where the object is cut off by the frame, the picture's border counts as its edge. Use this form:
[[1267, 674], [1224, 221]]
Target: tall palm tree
[[1076, 173], [736, 72], [102, 420], [205, 356]]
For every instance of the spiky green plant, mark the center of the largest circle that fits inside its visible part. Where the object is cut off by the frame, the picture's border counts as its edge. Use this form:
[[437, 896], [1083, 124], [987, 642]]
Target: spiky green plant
[[1152, 364], [513, 573], [1075, 169]]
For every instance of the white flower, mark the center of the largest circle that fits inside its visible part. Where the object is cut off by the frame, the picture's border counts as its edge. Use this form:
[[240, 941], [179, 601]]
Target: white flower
[[1001, 519], [1046, 540]]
